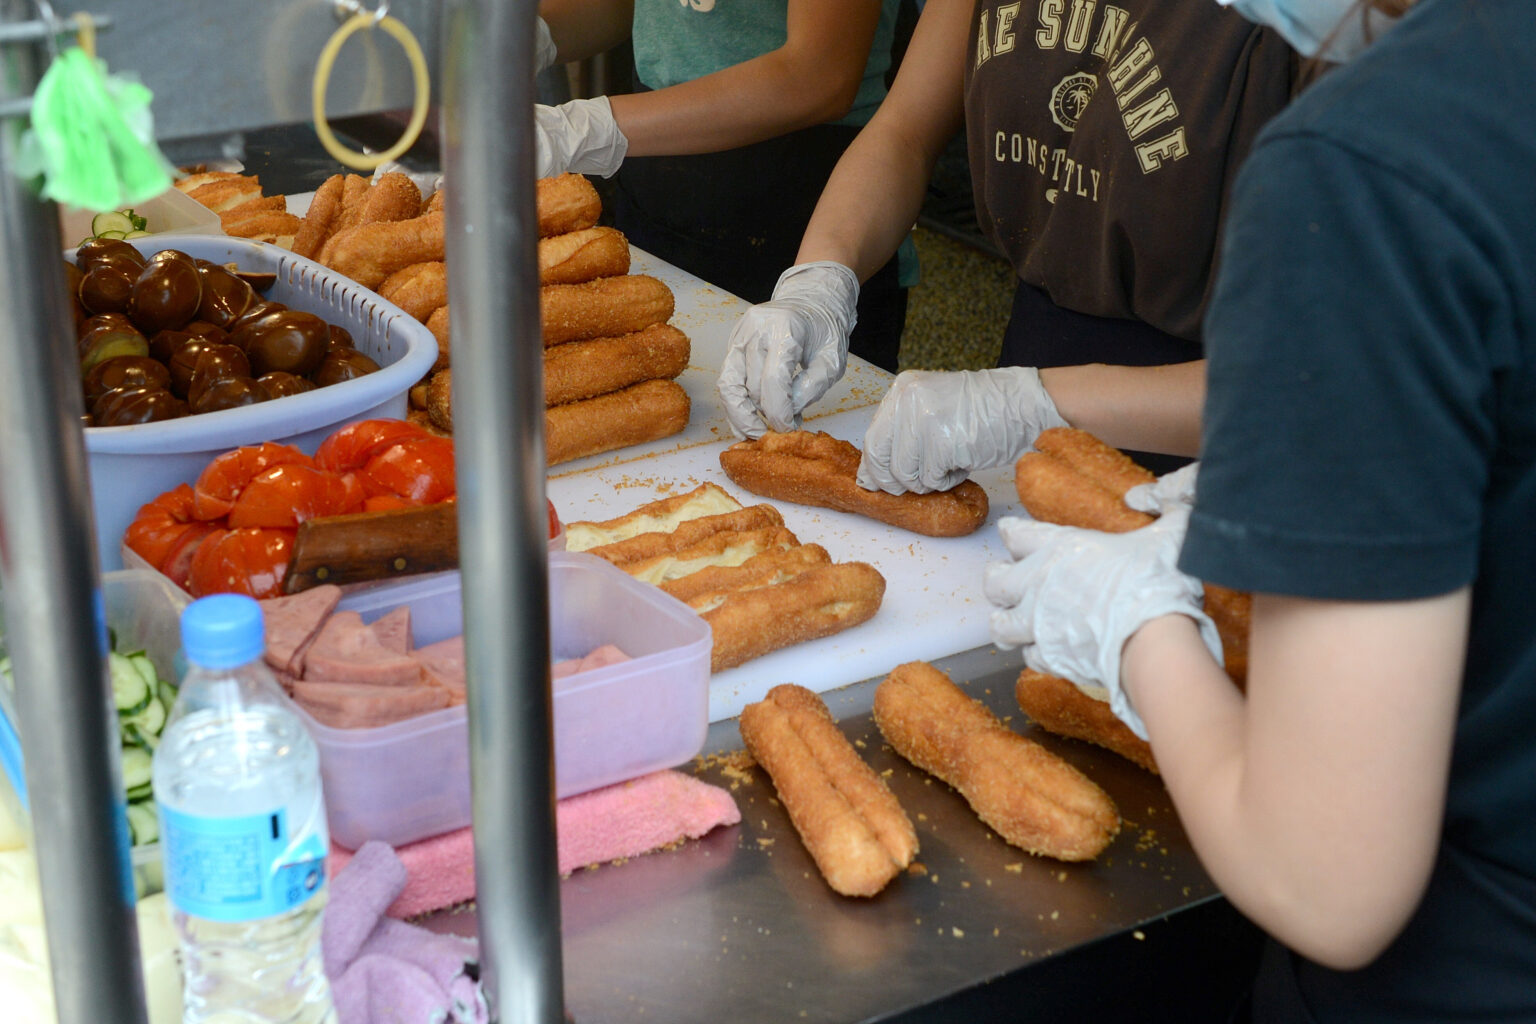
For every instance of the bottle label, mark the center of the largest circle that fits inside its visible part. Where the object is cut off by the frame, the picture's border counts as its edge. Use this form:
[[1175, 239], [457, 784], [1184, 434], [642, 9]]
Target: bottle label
[[240, 868]]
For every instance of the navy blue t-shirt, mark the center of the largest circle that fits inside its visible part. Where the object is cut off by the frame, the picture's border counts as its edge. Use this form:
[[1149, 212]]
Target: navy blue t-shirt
[[1371, 435]]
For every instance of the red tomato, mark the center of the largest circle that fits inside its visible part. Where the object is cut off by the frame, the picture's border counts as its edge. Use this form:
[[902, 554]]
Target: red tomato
[[289, 494], [554, 520], [225, 477], [420, 471], [159, 525], [178, 563], [249, 561], [385, 503], [350, 448]]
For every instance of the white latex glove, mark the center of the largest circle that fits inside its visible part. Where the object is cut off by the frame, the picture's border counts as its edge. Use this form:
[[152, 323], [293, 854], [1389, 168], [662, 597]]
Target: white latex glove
[[935, 426], [544, 55], [1074, 597], [785, 353], [1166, 492], [579, 136]]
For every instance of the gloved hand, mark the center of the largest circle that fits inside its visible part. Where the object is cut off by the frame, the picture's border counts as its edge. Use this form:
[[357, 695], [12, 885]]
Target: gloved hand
[[1074, 597], [1166, 492], [785, 353], [933, 427], [579, 136], [544, 53]]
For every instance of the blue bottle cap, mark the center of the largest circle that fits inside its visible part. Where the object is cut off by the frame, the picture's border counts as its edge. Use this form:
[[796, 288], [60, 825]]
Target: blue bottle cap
[[223, 631]]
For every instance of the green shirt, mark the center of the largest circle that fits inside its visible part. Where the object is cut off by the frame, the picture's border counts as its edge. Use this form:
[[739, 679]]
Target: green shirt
[[679, 40]]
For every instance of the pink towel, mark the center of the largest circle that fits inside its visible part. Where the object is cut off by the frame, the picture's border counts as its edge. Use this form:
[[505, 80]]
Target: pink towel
[[622, 820], [384, 971]]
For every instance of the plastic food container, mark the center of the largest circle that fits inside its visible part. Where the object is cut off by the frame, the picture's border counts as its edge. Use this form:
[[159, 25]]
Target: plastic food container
[[132, 465], [410, 780], [171, 212], [143, 610]]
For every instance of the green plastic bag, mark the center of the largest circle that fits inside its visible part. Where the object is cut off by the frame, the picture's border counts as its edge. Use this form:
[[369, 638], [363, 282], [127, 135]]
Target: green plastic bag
[[92, 137]]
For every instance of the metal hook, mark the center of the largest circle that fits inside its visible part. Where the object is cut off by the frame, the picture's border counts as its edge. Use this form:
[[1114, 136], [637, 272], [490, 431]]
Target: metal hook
[[347, 9]]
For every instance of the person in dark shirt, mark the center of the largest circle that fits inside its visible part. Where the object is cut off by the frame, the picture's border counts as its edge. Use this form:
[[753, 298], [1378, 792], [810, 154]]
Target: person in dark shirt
[[1103, 139], [1369, 474]]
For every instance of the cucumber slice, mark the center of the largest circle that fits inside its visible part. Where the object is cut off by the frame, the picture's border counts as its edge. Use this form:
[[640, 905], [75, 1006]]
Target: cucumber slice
[[145, 668], [111, 234], [149, 721], [136, 234], [138, 793], [143, 823], [136, 768], [130, 693], [112, 220]]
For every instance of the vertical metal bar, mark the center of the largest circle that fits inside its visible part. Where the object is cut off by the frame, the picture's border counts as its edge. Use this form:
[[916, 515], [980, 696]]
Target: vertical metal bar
[[67, 723], [498, 403]]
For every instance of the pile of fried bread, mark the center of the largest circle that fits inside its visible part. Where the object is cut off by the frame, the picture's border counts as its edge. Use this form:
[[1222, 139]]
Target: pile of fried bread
[[750, 578], [610, 356]]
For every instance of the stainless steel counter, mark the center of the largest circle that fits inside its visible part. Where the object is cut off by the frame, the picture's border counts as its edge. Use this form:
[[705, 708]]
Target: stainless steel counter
[[738, 926]]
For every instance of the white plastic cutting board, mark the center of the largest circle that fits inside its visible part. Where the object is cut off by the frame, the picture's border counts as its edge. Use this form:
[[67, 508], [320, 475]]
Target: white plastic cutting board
[[933, 603]]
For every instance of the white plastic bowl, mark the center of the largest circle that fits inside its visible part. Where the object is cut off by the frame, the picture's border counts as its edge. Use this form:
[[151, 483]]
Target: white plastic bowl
[[130, 466]]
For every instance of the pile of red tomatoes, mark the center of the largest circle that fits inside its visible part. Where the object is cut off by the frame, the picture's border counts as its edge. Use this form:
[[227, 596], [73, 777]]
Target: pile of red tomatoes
[[233, 530]]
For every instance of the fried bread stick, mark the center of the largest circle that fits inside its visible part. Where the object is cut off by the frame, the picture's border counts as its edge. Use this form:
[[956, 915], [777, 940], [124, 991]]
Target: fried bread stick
[[849, 821], [1028, 795]]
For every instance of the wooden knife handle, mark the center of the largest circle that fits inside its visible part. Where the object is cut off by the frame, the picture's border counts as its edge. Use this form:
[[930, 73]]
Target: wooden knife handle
[[374, 546]]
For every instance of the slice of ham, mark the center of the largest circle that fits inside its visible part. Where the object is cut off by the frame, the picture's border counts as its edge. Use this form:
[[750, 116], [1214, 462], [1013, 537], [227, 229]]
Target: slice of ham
[[292, 623], [360, 706], [393, 630], [347, 651], [443, 665], [602, 657]]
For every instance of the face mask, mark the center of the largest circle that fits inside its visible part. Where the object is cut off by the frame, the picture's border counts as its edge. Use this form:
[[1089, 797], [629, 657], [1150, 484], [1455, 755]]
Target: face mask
[[1330, 29]]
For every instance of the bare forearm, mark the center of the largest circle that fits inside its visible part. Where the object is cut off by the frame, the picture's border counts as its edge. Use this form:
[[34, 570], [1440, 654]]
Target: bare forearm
[[1315, 808], [1143, 408], [758, 99], [869, 205], [586, 28]]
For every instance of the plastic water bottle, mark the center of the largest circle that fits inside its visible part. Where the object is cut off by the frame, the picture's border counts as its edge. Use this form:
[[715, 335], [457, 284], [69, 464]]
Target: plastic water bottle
[[242, 830]]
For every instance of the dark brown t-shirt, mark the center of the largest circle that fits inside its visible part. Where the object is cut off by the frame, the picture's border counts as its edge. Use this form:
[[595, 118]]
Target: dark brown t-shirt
[[1103, 141]]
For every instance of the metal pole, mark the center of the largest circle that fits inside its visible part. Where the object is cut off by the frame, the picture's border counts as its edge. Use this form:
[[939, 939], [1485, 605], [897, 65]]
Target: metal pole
[[67, 723], [498, 402]]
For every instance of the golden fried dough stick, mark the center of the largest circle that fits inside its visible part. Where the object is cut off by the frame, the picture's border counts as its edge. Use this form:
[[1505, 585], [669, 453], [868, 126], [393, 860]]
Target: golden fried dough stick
[[393, 197], [850, 823], [821, 601], [226, 193], [420, 289], [707, 588], [1108, 467], [582, 369], [369, 253], [684, 535], [324, 208], [647, 411], [438, 323], [604, 308], [1232, 612], [663, 514], [439, 400], [578, 256], [814, 468], [434, 202], [1058, 706], [278, 227], [354, 193], [722, 547], [565, 203], [1053, 492], [1078, 480], [1028, 795]]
